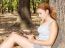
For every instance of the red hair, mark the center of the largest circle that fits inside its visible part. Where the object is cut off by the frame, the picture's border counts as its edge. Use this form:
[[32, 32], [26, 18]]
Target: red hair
[[52, 11]]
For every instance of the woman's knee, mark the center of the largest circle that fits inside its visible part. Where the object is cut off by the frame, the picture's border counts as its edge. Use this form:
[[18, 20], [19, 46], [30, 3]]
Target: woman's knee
[[13, 34]]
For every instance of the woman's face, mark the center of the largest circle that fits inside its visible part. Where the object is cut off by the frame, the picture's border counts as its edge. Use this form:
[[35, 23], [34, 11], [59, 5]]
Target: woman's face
[[41, 13]]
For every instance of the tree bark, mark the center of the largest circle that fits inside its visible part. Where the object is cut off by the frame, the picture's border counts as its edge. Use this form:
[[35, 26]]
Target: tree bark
[[60, 8], [24, 12]]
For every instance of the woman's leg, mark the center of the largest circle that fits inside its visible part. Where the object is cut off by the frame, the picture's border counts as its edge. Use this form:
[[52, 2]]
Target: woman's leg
[[8, 43], [15, 38], [22, 41]]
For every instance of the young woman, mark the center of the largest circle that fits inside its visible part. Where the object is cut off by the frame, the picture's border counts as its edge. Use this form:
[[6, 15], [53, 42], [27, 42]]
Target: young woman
[[47, 31]]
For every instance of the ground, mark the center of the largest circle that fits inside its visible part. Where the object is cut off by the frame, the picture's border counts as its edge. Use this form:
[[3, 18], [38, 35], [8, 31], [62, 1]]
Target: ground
[[7, 20]]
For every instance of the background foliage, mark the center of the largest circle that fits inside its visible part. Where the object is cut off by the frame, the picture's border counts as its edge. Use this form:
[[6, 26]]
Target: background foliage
[[12, 5]]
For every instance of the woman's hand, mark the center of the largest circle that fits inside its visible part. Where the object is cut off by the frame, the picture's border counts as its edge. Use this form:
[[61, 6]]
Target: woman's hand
[[30, 37]]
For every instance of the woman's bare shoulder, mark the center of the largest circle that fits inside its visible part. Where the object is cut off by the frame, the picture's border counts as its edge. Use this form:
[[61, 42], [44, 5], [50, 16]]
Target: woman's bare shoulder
[[54, 21]]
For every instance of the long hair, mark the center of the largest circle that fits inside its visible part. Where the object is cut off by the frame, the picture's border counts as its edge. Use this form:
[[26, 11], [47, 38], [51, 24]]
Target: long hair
[[46, 6]]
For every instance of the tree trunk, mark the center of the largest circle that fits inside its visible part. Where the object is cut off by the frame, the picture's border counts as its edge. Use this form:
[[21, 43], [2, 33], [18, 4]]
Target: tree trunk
[[60, 7], [24, 12]]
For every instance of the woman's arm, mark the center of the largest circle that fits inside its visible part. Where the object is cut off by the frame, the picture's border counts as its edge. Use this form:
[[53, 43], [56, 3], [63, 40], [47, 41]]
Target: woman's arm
[[50, 41]]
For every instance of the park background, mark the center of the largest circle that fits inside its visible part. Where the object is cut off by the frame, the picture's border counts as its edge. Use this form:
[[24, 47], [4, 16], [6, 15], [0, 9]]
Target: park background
[[18, 14]]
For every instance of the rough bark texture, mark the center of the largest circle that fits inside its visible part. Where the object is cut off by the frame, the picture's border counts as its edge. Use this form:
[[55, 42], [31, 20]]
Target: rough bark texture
[[60, 8]]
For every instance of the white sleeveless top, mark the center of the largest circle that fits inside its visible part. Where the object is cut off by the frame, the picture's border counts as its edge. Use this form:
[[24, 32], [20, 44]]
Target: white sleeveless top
[[44, 33]]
